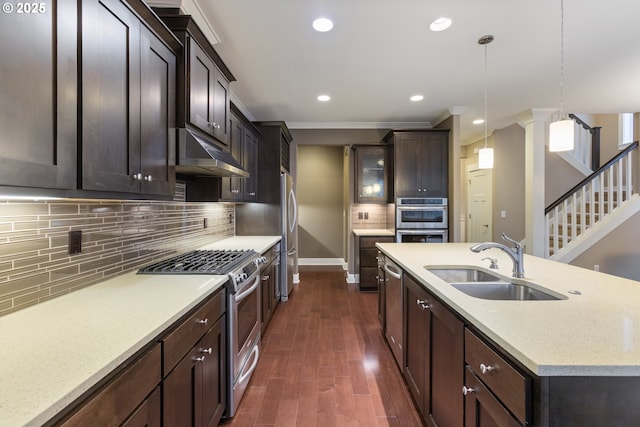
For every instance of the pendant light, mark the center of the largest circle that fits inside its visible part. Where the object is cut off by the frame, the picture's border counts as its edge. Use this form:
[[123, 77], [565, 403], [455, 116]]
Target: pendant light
[[561, 131], [485, 154]]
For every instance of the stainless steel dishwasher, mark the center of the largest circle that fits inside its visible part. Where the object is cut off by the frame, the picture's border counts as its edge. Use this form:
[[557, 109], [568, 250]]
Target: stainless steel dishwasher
[[393, 307]]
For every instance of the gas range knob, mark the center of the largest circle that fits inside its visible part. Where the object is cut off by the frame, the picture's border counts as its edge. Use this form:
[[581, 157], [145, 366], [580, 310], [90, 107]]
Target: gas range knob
[[241, 277], [262, 260]]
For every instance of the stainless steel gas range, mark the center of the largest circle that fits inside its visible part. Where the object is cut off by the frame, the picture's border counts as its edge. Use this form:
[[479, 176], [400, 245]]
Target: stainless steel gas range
[[243, 307]]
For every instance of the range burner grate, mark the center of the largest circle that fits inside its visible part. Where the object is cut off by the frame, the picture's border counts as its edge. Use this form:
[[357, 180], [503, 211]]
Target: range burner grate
[[212, 261]]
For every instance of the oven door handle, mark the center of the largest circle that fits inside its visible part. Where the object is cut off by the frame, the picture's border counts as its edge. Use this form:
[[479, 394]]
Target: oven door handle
[[422, 208], [242, 295], [243, 376]]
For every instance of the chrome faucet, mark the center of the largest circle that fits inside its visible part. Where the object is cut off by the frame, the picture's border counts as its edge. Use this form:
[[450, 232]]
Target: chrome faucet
[[515, 253]]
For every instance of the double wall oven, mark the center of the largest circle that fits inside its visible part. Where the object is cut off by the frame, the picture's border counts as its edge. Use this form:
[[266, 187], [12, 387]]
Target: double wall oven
[[422, 219], [242, 267]]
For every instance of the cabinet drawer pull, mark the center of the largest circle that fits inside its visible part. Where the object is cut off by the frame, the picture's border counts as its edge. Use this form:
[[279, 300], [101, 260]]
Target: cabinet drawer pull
[[485, 369], [468, 390], [137, 176], [206, 350], [203, 321], [199, 359], [148, 178]]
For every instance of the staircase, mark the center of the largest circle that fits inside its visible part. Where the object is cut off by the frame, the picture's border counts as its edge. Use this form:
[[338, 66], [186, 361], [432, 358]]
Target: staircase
[[592, 208]]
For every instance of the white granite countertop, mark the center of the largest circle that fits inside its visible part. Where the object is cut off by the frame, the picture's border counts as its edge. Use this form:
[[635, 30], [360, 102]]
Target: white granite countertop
[[596, 333], [373, 232], [53, 352]]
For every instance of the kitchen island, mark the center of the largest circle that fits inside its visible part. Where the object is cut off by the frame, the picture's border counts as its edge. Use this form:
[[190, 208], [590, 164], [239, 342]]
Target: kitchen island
[[56, 351], [582, 351]]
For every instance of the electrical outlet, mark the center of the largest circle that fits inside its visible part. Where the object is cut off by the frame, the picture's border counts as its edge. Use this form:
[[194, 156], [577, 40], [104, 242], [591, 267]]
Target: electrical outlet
[[360, 215], [596, 267], [230, 218], [204, 223], [366, 215], [75, 242]]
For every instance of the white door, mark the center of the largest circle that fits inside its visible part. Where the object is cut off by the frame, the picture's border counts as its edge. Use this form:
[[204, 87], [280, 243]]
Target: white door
[[480, 224]]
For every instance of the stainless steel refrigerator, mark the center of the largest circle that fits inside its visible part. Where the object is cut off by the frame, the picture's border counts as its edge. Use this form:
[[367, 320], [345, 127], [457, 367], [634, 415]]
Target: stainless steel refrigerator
[[289, 244]]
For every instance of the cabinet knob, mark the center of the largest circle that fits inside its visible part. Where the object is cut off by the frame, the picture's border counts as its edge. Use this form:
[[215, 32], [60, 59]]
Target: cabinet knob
[[203, 321], [214, 125], [468, 390], [199, 359], [137, 176], [423, 303], [148, 178], [485, 369], [206, 350]]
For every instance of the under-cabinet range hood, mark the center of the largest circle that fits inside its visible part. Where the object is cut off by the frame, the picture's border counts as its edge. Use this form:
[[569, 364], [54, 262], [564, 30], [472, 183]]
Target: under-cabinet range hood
[[197, 156]]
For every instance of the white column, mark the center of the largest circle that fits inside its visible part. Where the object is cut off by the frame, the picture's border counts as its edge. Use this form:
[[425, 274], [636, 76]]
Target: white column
[[535, 123]]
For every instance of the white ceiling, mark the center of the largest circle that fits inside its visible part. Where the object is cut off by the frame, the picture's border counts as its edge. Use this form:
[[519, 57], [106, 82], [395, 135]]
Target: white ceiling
[[381, 52]]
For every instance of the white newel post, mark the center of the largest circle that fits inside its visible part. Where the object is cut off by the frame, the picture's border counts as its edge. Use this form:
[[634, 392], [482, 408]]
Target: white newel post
[[535, 125]]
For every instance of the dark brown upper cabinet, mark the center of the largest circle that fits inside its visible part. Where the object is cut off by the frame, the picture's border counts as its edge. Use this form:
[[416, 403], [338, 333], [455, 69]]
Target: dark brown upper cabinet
[[128, 98], [203, 81], [243, 146], [39, 98], [274, 154], [420, 163], [373, 168], [208, 94]]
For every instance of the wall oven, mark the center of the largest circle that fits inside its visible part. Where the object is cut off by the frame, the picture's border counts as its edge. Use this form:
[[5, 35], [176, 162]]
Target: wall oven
[[422, 236], [421, 212]]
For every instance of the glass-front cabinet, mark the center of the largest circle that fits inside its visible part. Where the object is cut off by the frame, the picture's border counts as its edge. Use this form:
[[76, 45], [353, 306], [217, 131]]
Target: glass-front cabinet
[[372, 174]]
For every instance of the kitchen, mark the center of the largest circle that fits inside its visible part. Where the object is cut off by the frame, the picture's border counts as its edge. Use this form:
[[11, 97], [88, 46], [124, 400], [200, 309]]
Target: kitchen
[[40, 265]]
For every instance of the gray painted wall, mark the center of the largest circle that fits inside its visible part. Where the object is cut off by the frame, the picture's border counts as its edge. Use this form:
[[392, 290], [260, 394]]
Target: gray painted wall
[[320, 201]]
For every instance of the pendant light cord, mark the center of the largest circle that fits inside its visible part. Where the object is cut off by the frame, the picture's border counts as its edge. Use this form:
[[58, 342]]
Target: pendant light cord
[[485, 95], [485, 40]]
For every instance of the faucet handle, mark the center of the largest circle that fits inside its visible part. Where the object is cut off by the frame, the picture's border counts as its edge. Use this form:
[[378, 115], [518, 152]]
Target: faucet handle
[[510, 240], [493, 261]]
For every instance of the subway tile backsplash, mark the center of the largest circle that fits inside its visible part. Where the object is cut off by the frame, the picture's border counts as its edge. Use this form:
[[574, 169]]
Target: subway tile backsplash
[[117, 237]]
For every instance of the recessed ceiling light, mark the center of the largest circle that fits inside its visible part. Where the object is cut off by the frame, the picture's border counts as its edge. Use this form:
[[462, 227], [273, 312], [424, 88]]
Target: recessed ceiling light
[[416, 98], [478, 121], [322, 25], [323, 98], [440, 24]]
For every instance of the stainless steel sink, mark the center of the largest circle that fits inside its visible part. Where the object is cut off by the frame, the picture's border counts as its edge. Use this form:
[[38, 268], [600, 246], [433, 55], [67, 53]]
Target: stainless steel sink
[[481, 284], [503, 291], [464, 274]]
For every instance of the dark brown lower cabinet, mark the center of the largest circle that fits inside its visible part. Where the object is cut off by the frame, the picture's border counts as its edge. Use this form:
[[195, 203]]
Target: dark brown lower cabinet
[[382, 295], [368, 261], [149, 413], [195, 391], [128, 397], [482, 408], [434, 356], [269, 285]]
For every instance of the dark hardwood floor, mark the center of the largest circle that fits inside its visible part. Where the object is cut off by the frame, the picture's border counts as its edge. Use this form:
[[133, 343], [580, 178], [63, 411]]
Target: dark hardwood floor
[[325, 363]]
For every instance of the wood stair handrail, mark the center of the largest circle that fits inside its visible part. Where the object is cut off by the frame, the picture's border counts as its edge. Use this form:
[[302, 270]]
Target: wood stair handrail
[[591, 177]]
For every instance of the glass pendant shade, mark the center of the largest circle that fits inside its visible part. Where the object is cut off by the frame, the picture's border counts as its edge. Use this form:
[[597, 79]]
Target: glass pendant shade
[[485, 158], [561, 135]]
